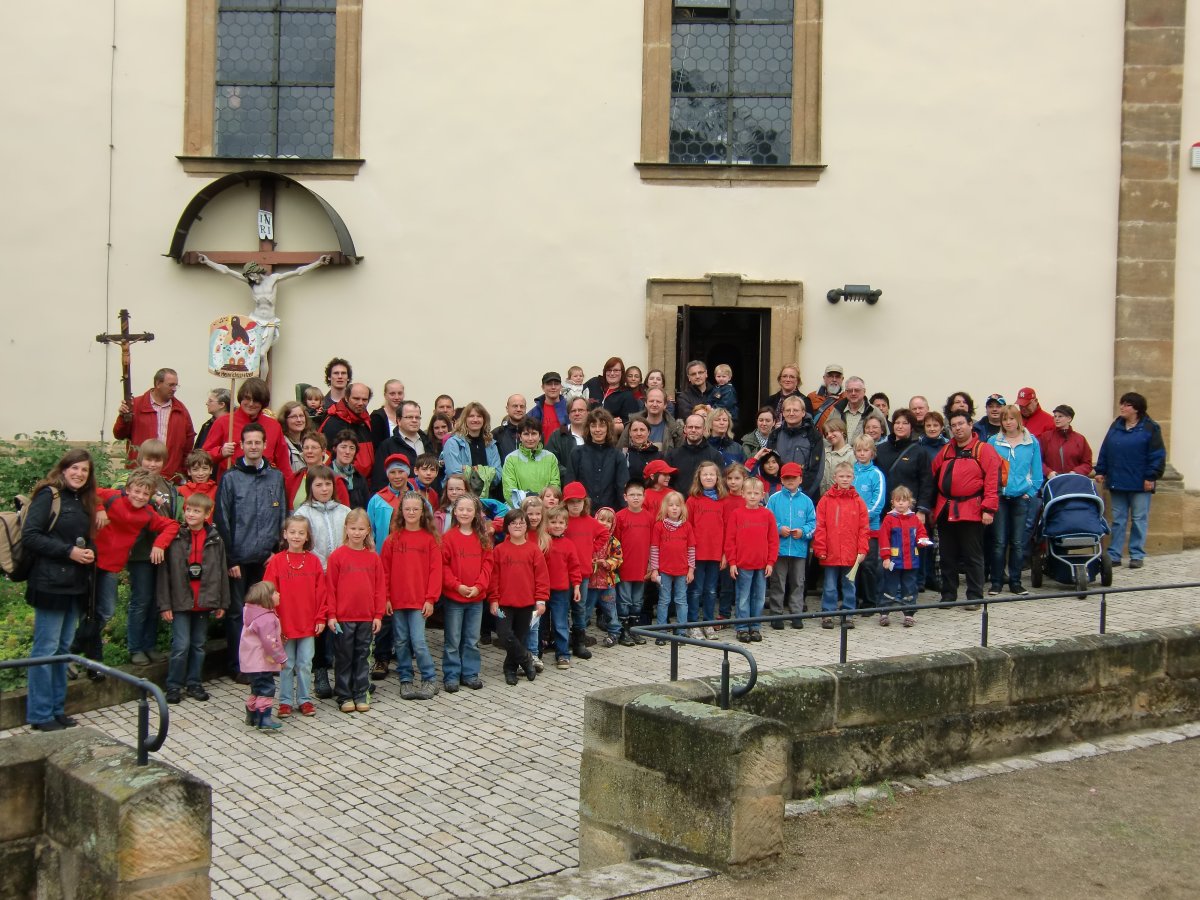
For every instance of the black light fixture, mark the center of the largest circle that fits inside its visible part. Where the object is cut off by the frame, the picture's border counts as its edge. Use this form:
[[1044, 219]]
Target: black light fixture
[[854, 293]]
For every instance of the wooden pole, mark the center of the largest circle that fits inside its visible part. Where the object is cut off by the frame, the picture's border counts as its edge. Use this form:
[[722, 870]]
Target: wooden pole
[[232, 387]]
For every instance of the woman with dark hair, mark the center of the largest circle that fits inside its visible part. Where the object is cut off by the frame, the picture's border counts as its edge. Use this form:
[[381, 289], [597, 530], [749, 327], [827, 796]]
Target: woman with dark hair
[[959, 400], [1131, 461], [598, 464], [610, 391], [640, 451], [217, 405], [633, 381], [904, 462], [471, 451], [59, 541], [441, 426], [253, 397]]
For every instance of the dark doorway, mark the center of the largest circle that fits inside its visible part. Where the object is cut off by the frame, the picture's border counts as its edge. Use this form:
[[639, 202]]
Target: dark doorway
[[739, 338]]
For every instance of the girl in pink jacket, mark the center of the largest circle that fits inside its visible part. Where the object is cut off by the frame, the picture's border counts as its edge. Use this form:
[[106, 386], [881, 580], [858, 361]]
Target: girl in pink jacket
[[261, 653]]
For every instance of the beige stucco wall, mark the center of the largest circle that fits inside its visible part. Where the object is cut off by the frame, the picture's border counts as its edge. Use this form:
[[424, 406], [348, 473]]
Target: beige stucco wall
[[1185, 440], [973, 173]]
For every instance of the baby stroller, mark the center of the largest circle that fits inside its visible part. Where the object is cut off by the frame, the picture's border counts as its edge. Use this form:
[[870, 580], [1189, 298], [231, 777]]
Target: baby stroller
[[1066, 541]]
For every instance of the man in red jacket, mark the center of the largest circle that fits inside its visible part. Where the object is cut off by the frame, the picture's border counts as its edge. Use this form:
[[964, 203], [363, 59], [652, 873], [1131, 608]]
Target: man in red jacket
[[966, 476], [156, 414], [1064, 449], [351, 413], [1037, 420]]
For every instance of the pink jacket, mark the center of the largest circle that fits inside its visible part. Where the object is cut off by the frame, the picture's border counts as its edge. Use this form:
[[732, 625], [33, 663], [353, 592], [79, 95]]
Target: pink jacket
[[261, 649]]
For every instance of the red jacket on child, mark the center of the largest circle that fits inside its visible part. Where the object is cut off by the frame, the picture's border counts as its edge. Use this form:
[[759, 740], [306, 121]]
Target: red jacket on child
[[843, 527], [207, 488], [633, 530], [707, 518], [898, 537], [519, 574], [357, 585], [300, 580], [672, 549], [562, 564], [466, 563], [752, 538], [412, 562], [125, 524]]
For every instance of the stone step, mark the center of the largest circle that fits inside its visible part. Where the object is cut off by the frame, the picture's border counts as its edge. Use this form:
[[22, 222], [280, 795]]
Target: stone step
[[622, 880]]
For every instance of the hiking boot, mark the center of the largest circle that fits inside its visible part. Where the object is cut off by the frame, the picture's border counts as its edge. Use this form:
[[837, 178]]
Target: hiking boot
[[637, 638], [826, 621], [474, 683], [563, 662], [174, 696], [756, 636], [379, 671], [197, 692], [539, 665], [321, 685], [744, 637], [579, 644], [626, 639], [847, 623], [450, 687], [610, 640], [408, 691], [427, 690]]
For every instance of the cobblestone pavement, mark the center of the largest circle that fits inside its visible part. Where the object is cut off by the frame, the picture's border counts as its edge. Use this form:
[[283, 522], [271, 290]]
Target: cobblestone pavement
[[471, 791]]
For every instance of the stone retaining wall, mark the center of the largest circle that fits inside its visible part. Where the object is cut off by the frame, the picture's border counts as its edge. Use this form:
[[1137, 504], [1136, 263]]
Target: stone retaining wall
[[666, 773], [79, 818]]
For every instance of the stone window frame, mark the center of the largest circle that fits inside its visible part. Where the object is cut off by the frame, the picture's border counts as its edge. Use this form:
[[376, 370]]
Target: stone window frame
[[805, 167], [664, 297], [199, 108]]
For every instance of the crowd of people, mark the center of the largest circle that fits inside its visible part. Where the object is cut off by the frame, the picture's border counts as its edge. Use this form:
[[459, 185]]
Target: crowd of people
[[325, 536]]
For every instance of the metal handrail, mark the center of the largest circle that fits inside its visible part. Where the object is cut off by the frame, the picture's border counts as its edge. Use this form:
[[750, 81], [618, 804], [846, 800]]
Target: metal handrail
[[667, 631], [144, 744]]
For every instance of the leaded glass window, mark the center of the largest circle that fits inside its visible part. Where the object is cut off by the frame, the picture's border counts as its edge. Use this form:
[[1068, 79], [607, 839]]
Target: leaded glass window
[[275, 76], [731, 82]]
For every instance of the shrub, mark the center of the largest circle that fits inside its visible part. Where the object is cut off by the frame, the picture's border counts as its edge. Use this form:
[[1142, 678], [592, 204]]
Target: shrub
[[21, 467]]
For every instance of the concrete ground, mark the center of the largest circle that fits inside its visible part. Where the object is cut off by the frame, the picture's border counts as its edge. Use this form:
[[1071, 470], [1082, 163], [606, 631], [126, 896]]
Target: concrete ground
[[472, 791]]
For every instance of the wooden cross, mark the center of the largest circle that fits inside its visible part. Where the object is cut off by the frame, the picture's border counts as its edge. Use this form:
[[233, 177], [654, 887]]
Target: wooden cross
[[124, 338]]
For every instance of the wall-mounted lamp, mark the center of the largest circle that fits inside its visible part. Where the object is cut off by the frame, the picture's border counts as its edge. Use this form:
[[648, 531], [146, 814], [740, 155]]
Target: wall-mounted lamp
[[854, 293]]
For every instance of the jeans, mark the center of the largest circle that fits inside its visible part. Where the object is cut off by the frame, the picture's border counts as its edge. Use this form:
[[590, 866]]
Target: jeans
[[835, 575], [581, 612], [900, 588], [189, 631], [787, 586], [52, 634], [606, 602], [351, 649], [262, 690], [702, 592], [252, 574], [460, 646], [1132, 507], [1009, 531], [142, 627], [629, 598], [299, 664], [559, 610], [672, 589], [409, 626], [751, 595]]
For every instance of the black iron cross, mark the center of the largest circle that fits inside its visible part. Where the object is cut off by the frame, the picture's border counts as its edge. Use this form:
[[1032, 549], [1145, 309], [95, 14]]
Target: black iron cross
[[124, 338]]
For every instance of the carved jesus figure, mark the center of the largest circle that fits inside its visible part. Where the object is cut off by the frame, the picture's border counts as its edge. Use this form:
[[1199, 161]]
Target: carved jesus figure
[[263, 288]]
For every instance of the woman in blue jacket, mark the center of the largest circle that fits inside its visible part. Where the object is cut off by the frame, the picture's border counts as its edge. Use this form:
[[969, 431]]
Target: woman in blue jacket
[[1131, 461], [1020, 451], [471, 451]]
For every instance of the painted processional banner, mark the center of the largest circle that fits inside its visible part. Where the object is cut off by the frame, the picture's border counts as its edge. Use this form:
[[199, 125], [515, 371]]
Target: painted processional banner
[[234, 346]]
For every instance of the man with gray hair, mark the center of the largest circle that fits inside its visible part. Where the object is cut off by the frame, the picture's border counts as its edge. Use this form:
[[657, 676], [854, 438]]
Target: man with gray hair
[[854, 409]]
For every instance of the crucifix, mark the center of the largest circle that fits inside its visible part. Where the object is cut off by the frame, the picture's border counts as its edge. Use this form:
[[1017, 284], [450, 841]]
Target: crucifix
[[124, 338], [258, 270]]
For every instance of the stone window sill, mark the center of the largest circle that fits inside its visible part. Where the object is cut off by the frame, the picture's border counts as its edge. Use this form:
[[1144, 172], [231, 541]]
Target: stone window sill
[[344, 169], [728, 176]]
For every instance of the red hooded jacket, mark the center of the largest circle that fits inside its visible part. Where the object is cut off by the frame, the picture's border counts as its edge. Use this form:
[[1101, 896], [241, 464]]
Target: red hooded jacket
[[967, 481], [843, 527]]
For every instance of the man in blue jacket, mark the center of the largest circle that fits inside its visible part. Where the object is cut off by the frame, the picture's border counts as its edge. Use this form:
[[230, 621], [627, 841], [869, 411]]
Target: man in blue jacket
[[796, 519], [1131, 461]]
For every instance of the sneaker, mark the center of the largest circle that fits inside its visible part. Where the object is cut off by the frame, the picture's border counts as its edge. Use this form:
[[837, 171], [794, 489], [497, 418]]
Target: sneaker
[[756, 636], [307, 709], [156, 656], [660, 642], [1136, 563], [826, 621], [589, 641], [363, 705], [693, 633], [610, 640], [139, 659], [884, 620], [285, 710], [743, 637], [65, 721], [707, 633], [473, 683], [427, 690], [408, 691], [541, 666], [563, 662], [174, 697], [347, 706], [994, 591], [971, 607], [450, 687], [1117, 563], [197, 692], [379, 671], [847, 623], [52, 725], [909, 621], [777, 626], [1019, 590]]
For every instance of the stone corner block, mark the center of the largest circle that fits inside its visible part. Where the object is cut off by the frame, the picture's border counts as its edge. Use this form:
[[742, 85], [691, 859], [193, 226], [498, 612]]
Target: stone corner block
[[604, 710]]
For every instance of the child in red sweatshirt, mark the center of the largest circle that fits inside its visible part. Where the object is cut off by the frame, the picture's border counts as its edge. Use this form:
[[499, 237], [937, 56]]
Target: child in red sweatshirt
[[672, 559], [357, 588], [520, 584], [633, 529], [840, 542], [565, 575], [751, 547], [412, 560], [466, 574], [303, 608], [589, 536]]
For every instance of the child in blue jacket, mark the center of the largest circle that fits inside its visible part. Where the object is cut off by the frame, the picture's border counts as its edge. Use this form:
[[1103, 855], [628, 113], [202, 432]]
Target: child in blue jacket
[[796, 519], [871, 485]]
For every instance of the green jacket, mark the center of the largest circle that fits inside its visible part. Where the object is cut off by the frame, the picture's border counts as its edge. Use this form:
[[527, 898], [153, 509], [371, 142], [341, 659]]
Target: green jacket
[[528, 472]]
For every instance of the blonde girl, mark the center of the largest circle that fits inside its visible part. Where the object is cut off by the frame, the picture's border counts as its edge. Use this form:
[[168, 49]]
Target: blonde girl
[[672, 558]]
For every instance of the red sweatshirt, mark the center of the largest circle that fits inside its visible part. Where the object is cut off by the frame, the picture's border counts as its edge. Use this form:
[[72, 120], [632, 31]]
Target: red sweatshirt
[[707, 518], [654, 499], [276, 453], [843, 527], [357, 585], [672, 550], [300, 581], [465, 562], [125, 523], [633, 530], [562, 564], [519, 574], [413, 563], [588, 536], [207, 488], [751, 538]]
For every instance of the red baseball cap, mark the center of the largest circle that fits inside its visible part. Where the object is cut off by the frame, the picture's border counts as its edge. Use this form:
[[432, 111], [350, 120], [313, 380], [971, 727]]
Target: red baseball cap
[[574, 491], [791, 470], [1024, 395], [658, 467]]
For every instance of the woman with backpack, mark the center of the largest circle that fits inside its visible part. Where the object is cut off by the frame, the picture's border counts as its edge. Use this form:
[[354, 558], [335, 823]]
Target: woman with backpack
[[57, 538]]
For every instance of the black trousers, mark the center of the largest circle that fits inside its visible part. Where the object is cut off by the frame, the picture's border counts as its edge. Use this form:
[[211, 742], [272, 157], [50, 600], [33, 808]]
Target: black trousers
[[513, 631], [961, 550], [350, 651]]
